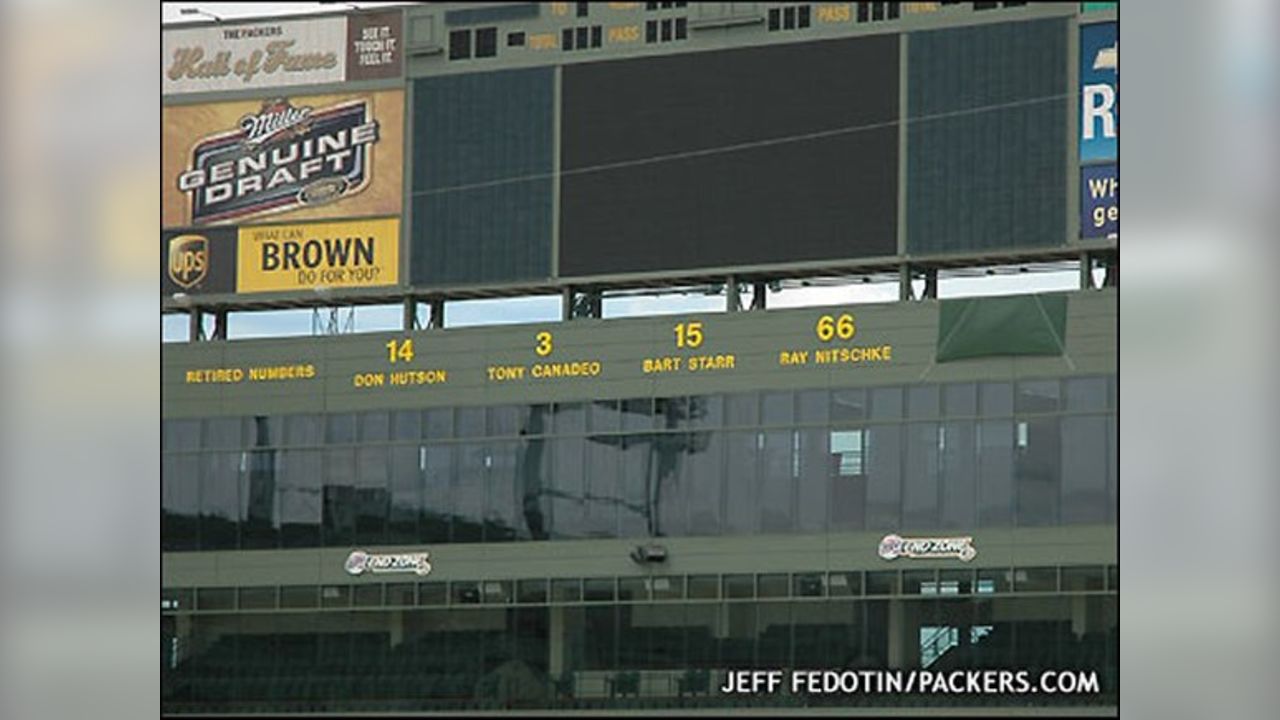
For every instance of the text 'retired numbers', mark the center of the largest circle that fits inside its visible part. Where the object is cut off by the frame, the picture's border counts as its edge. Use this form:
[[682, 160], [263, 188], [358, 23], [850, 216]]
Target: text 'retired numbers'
[[829, 328], [399, 351], [544, 346], [689, 334]]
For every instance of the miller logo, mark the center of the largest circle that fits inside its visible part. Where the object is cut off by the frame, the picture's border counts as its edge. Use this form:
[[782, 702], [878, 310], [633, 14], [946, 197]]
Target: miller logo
[[188, 260], [280, 158]]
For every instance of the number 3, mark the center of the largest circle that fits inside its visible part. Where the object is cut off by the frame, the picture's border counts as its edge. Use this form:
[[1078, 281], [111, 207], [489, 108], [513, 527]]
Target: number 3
[[543, 348]]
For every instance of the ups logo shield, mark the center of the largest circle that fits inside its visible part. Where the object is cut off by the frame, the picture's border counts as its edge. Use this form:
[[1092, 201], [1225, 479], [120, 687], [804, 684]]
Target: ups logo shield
[[188, 260]]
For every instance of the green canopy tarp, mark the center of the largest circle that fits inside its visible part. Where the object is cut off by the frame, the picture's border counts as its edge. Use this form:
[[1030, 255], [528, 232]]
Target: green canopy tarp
[[995, 326]]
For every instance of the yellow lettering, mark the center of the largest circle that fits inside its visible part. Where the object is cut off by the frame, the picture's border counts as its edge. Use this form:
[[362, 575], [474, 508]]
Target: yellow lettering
[[711, 362], [368, 379], [502, 373], [419, 377], [624, 33], [662, 364], [542, 41], [834, 13], [215, 375]]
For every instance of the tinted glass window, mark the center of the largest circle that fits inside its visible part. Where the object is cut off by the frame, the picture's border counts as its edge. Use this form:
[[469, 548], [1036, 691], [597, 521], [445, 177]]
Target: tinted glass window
[[215, 598], [567, 487], [637, 414], [304, 430], [1086, 394], [995, 473], [220, 501], [301, 472], [571, 418], [814, 467], [604, 416], [812, 406], [960, 400], [740, 490], [180, 501], [226, 432], [959, 475], [1084, 470], [504, 420], [405, 490], [1037, 470], [407, 425], [886, 403], [884, 477], [703, 481], [339, 497], [340, 428], [468, 491], [997, 399], [181, 434], [848, 404], [375, 426], [923, 401], [600, 517], [1038, 396], [470, 422], [439, 423], [437, 514], [920, 482], [776, 496], [778, 408], [372, 496], [504, 520], [742, 409]]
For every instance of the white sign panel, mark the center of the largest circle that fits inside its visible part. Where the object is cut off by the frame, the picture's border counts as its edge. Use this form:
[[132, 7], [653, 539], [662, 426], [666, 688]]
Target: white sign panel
[[360, 562], [272, 54], [896, 546]]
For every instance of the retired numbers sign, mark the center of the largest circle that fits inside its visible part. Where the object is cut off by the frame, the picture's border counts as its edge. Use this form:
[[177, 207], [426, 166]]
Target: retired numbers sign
[[626, 358]]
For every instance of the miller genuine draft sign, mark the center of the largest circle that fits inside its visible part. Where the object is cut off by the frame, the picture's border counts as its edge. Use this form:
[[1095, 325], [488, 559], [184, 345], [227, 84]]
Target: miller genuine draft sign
[[281, 53], [283, 158]]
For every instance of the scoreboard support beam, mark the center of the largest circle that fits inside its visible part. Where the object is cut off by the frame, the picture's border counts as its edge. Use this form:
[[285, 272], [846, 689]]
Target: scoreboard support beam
[[566, 303], [436, 320], [1112, 277], [904, 282], [759, 295], [410, 318], [1086, 271], [733, 303], [930, 284], [195, 325], [220, 324]]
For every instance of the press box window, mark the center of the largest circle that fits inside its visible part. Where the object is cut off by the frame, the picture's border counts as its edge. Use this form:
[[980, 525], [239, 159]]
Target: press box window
[[848, 448], [459, 44], [515, 39], [486, 42]]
